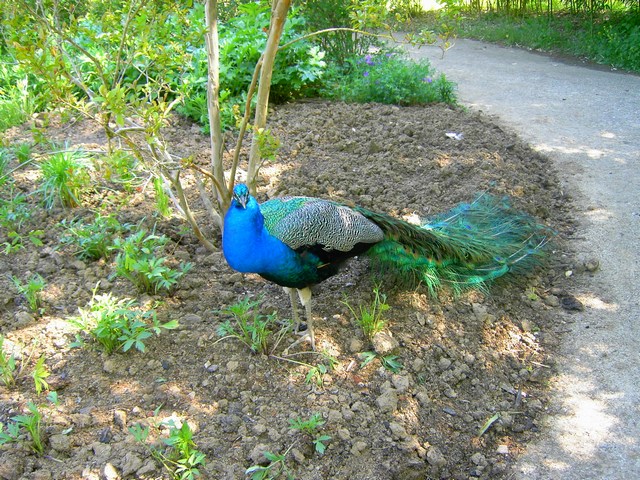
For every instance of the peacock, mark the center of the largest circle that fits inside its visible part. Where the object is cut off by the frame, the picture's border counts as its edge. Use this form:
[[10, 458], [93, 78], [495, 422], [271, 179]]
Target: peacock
[[297, 242]]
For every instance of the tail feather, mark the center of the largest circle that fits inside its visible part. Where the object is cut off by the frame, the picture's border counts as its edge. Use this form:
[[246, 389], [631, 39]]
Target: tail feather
[[467, 247]]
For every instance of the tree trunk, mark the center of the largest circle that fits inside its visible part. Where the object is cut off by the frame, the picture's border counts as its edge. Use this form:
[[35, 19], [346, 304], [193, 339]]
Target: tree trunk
[[278, 17]]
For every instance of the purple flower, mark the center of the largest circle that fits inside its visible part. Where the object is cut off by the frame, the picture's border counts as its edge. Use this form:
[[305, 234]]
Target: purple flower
[[365, 74], [369, 60], [427, 79]]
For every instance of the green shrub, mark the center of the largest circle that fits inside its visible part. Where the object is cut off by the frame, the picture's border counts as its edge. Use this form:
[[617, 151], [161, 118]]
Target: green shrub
[[242, 40], [117, 324], [94, 240], [389, 78], [65, 178], [138, 261]]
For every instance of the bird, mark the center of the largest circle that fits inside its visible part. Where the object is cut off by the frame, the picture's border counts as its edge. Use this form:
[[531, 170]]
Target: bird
[[298, 241]]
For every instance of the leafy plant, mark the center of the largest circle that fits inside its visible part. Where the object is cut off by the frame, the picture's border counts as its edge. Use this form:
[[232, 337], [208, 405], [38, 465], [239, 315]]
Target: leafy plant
[[16, 241], [370, 317], [7, 366], [181, 459], [137, 261], [31, 291], [390, 362], [94, 240], [22, 152], [65, 178], [389, 78], [14, 212], [277, 466], [117, 324], [39, 375], [119, 167], [310, 427], [250, 327], [31, 422]]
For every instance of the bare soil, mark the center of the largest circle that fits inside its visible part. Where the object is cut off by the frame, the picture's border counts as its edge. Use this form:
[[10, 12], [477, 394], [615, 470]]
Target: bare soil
[[464, 359]]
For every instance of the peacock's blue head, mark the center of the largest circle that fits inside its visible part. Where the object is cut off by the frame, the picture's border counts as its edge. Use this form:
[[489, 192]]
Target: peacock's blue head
[[241, 194]]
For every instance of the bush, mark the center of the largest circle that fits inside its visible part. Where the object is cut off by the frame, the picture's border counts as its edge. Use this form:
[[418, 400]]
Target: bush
[[389, 78], [242, 40]]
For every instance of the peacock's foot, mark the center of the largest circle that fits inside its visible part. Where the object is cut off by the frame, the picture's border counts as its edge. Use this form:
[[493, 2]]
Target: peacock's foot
[[306, 337]]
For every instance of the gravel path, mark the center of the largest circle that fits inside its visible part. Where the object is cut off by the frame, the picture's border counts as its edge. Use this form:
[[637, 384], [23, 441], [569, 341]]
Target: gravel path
[[588, 120]]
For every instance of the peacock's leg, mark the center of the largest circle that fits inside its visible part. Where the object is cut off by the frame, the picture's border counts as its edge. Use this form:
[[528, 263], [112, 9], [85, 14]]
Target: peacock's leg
[[305, 299], [294, 306]]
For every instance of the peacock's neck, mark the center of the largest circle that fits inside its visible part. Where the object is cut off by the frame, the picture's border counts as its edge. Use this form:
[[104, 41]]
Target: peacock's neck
[[246, 244]]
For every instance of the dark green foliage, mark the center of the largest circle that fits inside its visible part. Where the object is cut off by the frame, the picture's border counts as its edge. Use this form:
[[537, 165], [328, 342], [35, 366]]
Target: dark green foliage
[[242, 40], [94, 240], [138, 260], [389, 78], [339, 45], [65, 179]]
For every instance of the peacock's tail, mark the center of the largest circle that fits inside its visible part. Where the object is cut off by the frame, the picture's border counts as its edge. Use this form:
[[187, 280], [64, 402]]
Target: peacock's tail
[[467, 247]]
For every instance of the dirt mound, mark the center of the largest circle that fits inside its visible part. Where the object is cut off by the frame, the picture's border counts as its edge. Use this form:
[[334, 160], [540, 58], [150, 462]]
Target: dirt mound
[[466, 363]]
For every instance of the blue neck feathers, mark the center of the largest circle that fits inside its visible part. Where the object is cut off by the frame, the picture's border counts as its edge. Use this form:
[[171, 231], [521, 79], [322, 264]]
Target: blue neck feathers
[[249, 248]]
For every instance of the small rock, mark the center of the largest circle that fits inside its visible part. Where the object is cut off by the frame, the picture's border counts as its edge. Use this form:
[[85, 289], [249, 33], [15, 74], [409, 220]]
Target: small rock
[[592, 265], [435, 457], [42, 474], [109, 472], [60, 443], [571, 304], [232, 366], [131, 463], [334, 416], [257, 454], [23, 319], [297, 455], [502, 449], [417, 365], [444, 363], [355, 345], [398, 432], [383, 343], [388, 401], [190, 320], [120, 418], [344, 434], [552, 301], [358, 447], [478, 459], [400, 382]]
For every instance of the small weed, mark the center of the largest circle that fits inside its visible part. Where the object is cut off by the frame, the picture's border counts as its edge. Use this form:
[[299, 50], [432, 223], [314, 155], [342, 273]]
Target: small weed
[[390, 362], [116, 324], [250, 327], [23, 152], [14, 212], [15, 241], [119, 167], [94, 240], [181, 459], [369, 317], [277, 467], [39, 375], [65, 179], [310, 427], [7, 366], [31, 422], [137, 261], [31, 291]]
